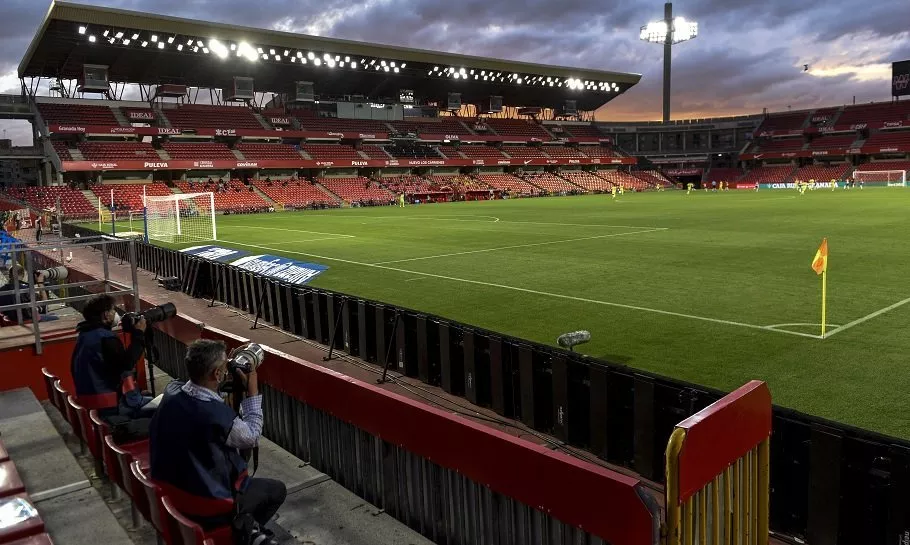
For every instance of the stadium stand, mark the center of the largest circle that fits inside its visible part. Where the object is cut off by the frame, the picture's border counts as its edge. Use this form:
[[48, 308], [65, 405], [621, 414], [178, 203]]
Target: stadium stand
[[872, 113], [480, 152], [781, 144], [783, 122], [236, 197], [824, 116], [311, 123], [822, 173], [589, 131], [599, 151], [329, 152], [587, 181], [832, 142], [189, 116], [769, 174], [888, 139], [409, 185], [295, 193], [104, 151], [198, 150], [72, 201], [440, 125], [724, 174], [76, 114], [620, 177], [562, 151], [448, 151], [412, 151], [885, 165], [268, 151], [517, 127], [374, 152], [551, 183], [652, 178], [523, 152], [507, 182], [357, 188], [62, 149], [129, 196]]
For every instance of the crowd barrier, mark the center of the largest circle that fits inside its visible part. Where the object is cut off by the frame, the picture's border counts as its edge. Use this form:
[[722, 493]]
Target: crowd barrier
[[830, 483]]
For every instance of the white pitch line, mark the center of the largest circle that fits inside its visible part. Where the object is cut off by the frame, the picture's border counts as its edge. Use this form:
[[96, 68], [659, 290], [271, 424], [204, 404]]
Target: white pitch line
[[868, 317], [496, 220], [529, 245], [299, 231], [336, 237], [536, 292]]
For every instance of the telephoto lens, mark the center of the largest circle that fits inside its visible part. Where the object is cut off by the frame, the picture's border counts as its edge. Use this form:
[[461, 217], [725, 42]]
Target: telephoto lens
[[54, 273], [246, 358]]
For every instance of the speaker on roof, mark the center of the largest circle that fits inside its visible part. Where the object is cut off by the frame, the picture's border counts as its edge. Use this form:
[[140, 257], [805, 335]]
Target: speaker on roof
[[454, 102], [94, 78], [242, 89], [571, 108], [303, 91], [495, 105]]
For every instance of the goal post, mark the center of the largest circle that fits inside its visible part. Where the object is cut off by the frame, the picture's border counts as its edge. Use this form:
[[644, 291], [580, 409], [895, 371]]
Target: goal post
[[894, 178], [182, 217]]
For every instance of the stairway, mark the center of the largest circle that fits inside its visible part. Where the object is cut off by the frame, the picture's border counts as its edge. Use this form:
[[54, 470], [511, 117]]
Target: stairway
[[268, 200], [91, 197], [76, 154], [833, 121], [329, 193], [263, 122], [163, 121], [124, 122], [305, 155], [163, 154], [238, 155], [465, 125], [362, 154]]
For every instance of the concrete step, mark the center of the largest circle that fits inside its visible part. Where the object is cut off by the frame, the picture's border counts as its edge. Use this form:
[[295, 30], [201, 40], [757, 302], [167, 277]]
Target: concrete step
[[163, 154], [124, 122], [325, 190], [238, 155]]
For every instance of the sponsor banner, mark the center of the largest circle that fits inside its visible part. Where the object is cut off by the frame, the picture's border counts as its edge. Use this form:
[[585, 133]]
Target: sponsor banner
[[280, 268], [744, 185], [684, 172], [790, 132], [104, 129], [140, 116], [215, 253], [791, 185], [323, 135], [280, 120]]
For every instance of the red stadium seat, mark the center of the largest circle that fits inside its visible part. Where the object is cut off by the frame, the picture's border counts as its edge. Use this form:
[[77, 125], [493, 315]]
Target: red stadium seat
[[551, 183], [60, 396], [38, 539], [10, 482], [49, 380], [4, 455], [184, 531], [26, 528], [153, 497], [190, 116], [72, 416]]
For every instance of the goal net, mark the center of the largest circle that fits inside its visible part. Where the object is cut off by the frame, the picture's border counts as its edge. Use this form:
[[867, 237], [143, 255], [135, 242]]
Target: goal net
[[185, 217], [891, 177]]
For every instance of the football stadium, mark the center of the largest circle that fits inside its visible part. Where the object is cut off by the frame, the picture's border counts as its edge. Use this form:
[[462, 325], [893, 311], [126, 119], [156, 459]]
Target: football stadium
[[477, 313]]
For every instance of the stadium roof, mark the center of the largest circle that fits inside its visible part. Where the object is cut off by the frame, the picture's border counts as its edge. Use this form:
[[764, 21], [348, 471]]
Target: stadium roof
[[151, 49]]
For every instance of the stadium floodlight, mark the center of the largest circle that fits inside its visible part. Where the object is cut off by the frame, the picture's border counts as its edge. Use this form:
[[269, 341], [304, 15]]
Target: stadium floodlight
[[154, 37], [397, 69], [354, 66], [126, 41], [135, 36], [82, 30], [347, 59], [118, 35], [317, 62], [300, 54], [668, 32], [302, 61], [189, 42], [310, 55], [330, 63], [403, 65], [246, 51], [286, 52], [218, 48], [144, 43], [160, 45], [105, 33], [170, 39], [179, 47], [91, 38]]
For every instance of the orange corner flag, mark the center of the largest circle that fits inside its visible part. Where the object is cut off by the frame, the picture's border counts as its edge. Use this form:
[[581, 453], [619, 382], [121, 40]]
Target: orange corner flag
[[820, 262]]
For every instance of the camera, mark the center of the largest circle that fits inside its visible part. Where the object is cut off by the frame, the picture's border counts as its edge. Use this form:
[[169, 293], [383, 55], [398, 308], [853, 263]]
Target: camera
[[152, 315], [53, 274], [245, 359]]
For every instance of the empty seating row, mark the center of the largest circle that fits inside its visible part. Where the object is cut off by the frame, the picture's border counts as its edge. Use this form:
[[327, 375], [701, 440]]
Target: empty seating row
[[341, 125], [197, 115], [587, 181], [479, 152], [295, 193], [599, 151], [551, 183], [622, 178], [871, 113], [879, 166], [409, 185], [832, 142], [198, 150], [76, 114], [412, 151], [822, 173], [517, 127], [357, 188], [129, 196], [523, 152], [62, 149], [783, 121], [509, 183], [562, 151], [72, 202], [106, 151], [781, 144], [652, 177], [328, 152], [235, 197], [268, 151], [769, 174], [126, 467], [374, 152], [886, 139]]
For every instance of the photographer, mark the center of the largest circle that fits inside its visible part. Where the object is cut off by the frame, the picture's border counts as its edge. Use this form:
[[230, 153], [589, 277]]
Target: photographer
[[103, 369], [8, 294], [196, 441]]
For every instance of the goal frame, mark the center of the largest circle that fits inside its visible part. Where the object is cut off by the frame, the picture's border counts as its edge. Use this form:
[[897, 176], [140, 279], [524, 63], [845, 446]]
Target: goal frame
[[902, 182], [175, 201]]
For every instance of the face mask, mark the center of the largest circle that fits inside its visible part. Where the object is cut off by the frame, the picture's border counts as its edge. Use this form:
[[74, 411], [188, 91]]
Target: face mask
[[116, 320]]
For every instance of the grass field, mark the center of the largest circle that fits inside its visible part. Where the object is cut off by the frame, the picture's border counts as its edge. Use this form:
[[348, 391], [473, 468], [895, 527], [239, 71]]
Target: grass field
[[713, 288]]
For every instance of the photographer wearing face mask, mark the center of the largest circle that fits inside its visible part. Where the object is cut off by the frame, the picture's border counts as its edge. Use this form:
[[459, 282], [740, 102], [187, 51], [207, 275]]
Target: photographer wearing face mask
[[196, 441], [104, 370]]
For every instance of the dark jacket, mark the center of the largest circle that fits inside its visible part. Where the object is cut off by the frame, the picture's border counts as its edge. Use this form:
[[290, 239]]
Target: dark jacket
[[99, 365]]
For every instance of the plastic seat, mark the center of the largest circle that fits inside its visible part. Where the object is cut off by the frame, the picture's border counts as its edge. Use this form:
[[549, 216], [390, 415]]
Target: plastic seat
[[26, 528], [39, 539], [153, 497], [49, 380], [4, 455], [79, 422], [138, 451], [186, 532], [10, 482]]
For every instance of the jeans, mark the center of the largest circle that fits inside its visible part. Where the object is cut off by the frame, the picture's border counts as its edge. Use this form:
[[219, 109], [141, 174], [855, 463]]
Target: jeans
[[261, 499]]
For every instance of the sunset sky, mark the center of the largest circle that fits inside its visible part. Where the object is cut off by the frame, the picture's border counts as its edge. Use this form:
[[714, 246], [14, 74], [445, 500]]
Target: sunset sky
[[749, 54]]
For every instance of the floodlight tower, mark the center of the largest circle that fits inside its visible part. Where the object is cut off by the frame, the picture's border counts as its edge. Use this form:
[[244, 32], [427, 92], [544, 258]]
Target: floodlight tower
[[669, 32]]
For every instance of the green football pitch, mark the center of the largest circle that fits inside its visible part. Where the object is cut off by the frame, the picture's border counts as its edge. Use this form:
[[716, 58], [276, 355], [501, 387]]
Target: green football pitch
[[712, 288]]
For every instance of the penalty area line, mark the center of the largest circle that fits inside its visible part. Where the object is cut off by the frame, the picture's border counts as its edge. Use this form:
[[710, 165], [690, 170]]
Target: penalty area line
[[339, 235], [538, 292], [868, 317]]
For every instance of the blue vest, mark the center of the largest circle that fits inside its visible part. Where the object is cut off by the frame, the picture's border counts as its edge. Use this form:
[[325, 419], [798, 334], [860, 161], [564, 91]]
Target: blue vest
[[188, 449], [95, 387]]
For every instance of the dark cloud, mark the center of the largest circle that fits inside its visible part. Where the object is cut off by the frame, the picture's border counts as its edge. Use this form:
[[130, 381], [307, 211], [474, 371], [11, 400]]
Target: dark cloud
[[748, 55]]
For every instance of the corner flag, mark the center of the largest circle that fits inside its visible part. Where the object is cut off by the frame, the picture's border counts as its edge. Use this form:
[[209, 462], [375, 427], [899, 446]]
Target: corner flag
[[820, 262], [820, 266]]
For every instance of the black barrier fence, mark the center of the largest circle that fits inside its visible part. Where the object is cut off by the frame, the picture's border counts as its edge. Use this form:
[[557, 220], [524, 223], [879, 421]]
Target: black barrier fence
[[830, 483]]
